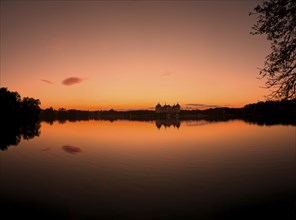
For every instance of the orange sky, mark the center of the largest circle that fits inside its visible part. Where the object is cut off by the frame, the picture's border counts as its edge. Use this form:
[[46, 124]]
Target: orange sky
[[132, 54]]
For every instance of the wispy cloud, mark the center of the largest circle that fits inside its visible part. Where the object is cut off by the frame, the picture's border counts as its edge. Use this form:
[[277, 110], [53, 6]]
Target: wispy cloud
[[71, 149], [71, 81], [202, 106], [46, 81]]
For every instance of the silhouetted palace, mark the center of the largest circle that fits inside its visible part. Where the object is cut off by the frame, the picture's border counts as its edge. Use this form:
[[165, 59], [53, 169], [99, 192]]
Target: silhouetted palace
[[168, 110]]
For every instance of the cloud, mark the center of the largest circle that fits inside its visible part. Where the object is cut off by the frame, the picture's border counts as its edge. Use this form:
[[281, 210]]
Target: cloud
[[46, 81], [203, 106], [71, 149], [71, 81]]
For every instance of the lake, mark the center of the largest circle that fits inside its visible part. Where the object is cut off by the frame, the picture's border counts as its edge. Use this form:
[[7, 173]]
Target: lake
[[147, 170]]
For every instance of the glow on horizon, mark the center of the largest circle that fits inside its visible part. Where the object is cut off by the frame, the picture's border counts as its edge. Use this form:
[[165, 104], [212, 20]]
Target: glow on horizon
[[132, 55]]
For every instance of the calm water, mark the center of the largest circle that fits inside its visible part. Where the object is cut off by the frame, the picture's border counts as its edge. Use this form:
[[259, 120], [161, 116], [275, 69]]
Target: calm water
[[135, 170]]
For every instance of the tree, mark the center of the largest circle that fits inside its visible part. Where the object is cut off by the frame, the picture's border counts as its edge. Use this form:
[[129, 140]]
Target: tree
[[30, 106], [277, 19], [13, 107], [10, 102], [18, 117]]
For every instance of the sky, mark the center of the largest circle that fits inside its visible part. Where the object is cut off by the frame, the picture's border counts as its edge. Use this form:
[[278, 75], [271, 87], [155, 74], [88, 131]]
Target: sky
[[132, 54]]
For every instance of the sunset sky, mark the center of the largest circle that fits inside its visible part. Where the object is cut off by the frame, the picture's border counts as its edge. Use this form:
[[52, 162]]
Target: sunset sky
[[132, 54]]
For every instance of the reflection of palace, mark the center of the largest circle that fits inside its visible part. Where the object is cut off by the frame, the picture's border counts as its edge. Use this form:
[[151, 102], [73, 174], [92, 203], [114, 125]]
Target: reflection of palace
[[168, 110], [167, 123]]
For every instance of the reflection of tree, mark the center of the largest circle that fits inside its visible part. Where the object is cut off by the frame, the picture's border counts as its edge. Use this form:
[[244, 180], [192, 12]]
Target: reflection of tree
[[30, 130], [13, 131], [10, 135]]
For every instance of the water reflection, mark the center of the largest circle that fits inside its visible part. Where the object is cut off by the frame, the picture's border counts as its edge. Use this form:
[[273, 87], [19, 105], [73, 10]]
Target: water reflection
[[268, 121], [132, 170], [13, 131], [167, 123], [197, 123], [46, 149], [175, 122], [71, 149]]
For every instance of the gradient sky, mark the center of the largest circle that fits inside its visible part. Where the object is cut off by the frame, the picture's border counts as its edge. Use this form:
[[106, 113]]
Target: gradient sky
[[132, 54]]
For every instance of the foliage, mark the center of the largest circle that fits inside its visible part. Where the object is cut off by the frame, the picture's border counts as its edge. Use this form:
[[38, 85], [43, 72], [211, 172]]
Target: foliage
[[30, 105], [277, 19], [19, 118], [12, 106], [285, 108]]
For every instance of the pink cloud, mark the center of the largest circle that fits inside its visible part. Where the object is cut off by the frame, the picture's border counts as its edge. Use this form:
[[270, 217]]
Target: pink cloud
[[46, 81], [71, 81], [71, 149]]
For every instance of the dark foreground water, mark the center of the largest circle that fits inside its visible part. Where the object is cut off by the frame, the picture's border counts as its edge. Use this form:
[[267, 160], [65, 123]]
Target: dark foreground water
[[135, 170]]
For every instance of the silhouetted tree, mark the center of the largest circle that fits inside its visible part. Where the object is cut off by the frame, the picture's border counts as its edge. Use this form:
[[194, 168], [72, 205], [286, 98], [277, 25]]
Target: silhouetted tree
[[18, 118], [48, 115], [10, 102], [30, 106], [13, 107], [277, 19]]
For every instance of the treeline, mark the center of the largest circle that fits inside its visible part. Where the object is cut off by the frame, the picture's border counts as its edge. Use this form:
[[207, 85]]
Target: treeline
[[275, 110], [284, 108], [272, 108], [19, 118], [262, 113], [62, 115], [13, 107]]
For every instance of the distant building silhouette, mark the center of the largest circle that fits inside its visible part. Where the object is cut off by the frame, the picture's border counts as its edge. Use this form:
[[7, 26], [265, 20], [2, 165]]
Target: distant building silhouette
[[168, 110]]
